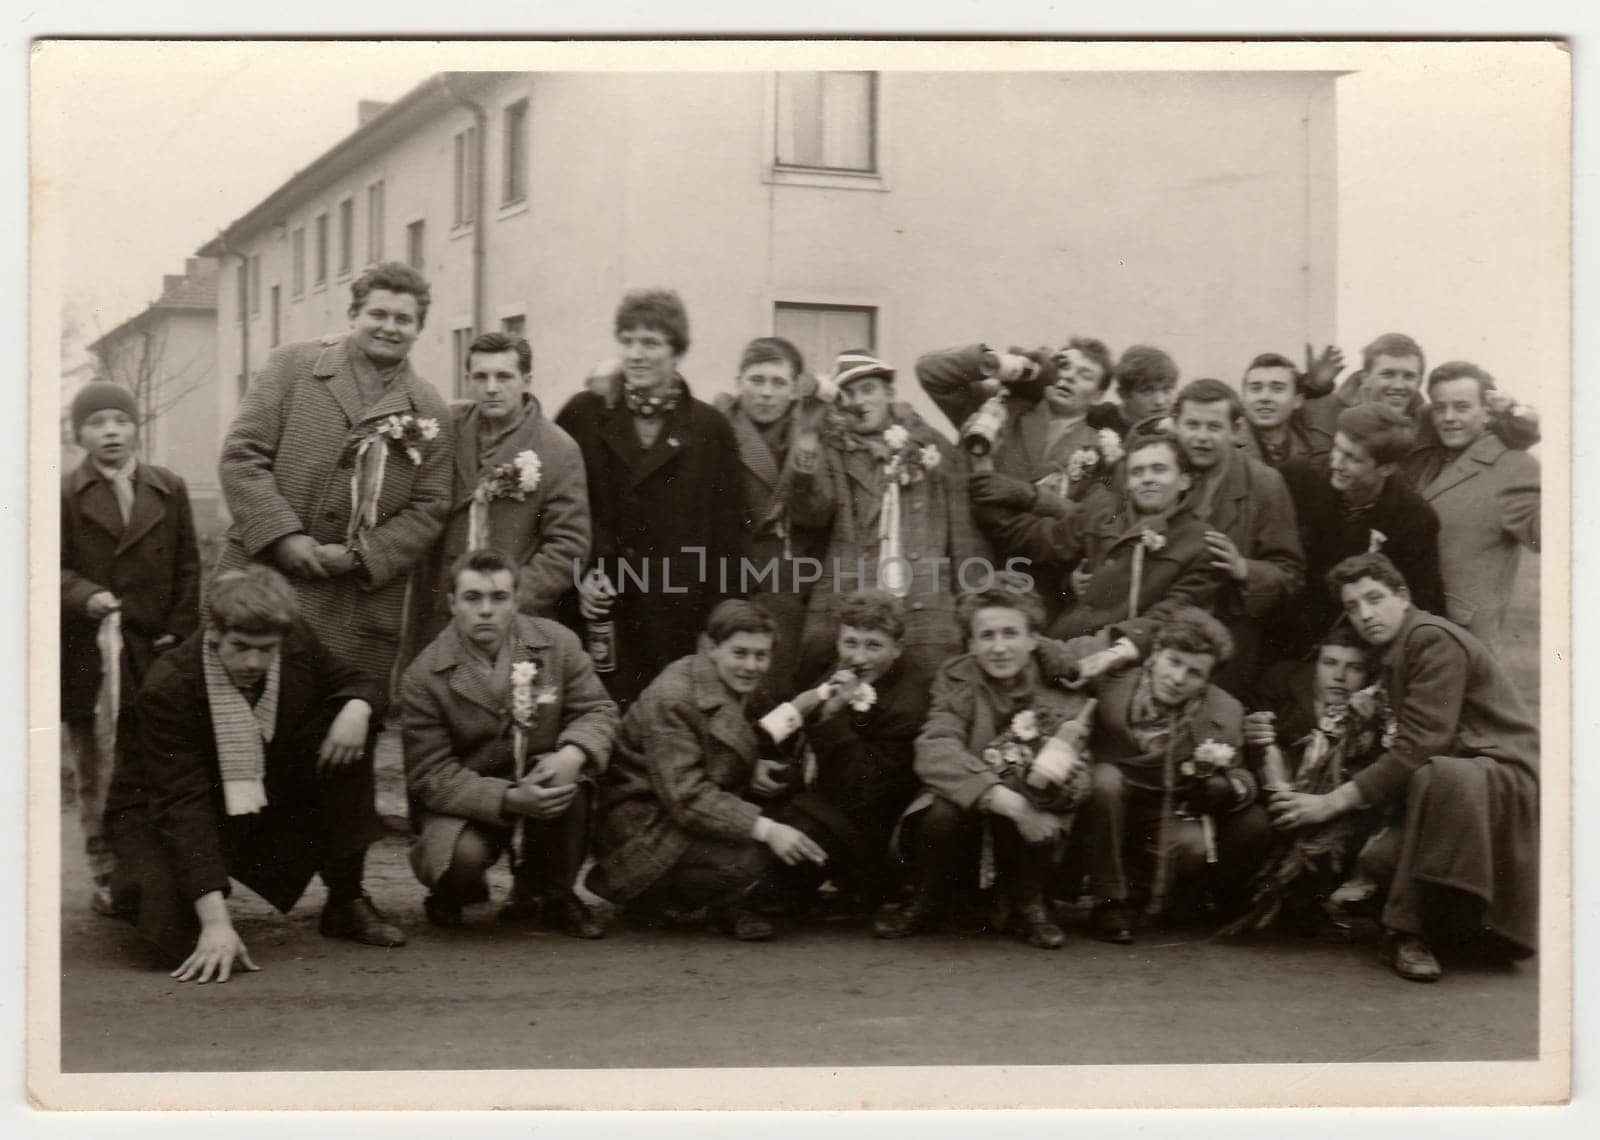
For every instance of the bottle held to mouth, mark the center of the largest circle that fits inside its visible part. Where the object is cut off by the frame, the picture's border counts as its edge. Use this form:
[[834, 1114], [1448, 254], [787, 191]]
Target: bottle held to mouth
[[1062, 752], [981, 432]]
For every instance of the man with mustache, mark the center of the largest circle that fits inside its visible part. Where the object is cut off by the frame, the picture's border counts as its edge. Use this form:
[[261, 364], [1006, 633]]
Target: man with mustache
[[1463, 761]]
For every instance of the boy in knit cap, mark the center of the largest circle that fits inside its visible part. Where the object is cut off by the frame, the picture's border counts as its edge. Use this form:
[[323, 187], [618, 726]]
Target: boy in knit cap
[[130, 574]]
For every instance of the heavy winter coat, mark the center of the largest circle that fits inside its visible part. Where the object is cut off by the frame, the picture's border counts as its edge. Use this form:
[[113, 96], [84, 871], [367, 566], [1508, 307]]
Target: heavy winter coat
[[457, 732], [285, 469], [546, 533], [672, 511], [152, 565]]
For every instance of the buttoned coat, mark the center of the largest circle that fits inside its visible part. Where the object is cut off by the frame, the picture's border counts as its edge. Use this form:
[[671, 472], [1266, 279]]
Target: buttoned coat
[[681, 771], [456, 731], [546, 533], [672, 511], [1103, 535], [845, 495], [152, 565], [1487, 499], [285, 469]]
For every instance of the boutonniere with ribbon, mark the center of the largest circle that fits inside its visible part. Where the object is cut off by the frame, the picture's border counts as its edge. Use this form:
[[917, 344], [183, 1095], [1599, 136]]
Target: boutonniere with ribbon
[[1211, 758], [526, 700], [371, 460], [907, 462], [515, 480], [1154, 542], [1097, 460]]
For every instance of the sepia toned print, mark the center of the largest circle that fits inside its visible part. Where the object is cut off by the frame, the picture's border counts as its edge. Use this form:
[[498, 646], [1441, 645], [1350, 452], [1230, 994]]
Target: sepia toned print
[[789, 557]]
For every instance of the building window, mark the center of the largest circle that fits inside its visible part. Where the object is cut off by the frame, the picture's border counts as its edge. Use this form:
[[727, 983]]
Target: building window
[[459, 340], [515, 157], [347, 240], [822, 332], [297, 259], [255, 285], [277, 317], [514, 327], [375, 222], [414, 245], [827, 120], [466, 176], [244, 288], [319, 261]]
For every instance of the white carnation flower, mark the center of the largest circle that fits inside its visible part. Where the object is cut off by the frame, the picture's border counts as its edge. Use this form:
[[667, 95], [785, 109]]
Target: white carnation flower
[[529, 468], [865, 697], [930, 457], [429, 428], [1025, 725], [895, 437], [1110, 445]]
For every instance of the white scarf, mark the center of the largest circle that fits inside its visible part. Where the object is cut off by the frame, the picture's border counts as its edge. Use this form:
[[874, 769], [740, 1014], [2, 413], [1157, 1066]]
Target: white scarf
[[241, 732]]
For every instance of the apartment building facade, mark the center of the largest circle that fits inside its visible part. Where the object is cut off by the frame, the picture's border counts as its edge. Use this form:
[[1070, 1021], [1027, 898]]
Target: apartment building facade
[[898, 210]]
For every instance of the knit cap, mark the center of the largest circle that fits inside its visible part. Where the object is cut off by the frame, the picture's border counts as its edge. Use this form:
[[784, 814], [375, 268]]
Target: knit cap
[[97, 396]]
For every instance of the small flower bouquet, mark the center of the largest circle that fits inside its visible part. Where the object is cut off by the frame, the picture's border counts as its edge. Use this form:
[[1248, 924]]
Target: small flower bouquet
[[908, 460], [1014, 753], [515, 480], [371, 457], [526, 700]]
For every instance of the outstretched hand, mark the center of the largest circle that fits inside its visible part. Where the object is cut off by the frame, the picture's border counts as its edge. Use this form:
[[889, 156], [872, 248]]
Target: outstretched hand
[[215, 954]]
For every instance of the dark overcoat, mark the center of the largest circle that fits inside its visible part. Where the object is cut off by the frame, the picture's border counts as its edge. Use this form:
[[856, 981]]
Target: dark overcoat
[[173, 838], [285, 469], [152, 565], [673, 512]]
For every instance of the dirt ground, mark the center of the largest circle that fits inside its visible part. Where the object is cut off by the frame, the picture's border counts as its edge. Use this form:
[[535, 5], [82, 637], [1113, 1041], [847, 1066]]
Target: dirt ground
[[486, 997]]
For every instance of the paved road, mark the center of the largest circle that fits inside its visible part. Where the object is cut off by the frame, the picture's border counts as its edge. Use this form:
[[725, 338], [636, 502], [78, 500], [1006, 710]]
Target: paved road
[[486, 997]]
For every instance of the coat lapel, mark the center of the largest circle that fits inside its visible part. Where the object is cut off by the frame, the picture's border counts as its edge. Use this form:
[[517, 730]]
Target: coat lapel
[[97, 502], [754, 453], [149, 505], [1470, 464], [725, 718], [333, 365], [466, 444], [467, 683]]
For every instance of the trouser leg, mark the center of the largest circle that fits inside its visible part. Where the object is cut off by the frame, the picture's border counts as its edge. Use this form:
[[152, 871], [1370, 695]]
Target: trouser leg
[[1103, 825], [553, 849]]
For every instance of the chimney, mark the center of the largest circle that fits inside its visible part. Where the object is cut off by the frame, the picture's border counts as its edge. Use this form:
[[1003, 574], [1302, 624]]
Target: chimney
[[190, 265], [367, 110], [169, 283]]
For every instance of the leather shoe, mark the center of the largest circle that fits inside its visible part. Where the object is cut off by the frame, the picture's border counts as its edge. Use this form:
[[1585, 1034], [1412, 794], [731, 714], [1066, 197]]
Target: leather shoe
[[1038, 928], [1411, 958], [523, 907], [101, 902], [901, 921], [1112, 922], [570, 915], [360, 921], [744, 925]]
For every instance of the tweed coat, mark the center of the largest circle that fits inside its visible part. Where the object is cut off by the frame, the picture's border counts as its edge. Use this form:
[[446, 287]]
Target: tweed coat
[[1459, 716], [1219, 716], [1101, 534], [456, 731], [152, 565], [938, 535], [1321, 414], [546, 534], [967, 713], [681, 771], [674, 509], [1487, 498], [173, 837], [1400, 524], [285, 469], [774, 538]]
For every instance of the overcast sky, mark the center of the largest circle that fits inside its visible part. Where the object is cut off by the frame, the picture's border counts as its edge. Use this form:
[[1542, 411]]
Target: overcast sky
[[1448, 224]]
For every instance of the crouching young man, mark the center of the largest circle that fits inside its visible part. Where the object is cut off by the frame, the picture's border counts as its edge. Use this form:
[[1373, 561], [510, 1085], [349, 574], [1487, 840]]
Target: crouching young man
[[1464, 760], [505, 727], [993, 709], [250, 759], [679, 831], [1172, 814]]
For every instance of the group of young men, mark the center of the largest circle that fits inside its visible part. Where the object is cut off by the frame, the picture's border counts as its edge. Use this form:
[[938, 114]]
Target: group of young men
[[720, 663]]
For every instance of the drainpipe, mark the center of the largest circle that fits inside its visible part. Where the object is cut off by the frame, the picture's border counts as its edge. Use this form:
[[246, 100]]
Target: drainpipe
[[244, 304], [480, 119]]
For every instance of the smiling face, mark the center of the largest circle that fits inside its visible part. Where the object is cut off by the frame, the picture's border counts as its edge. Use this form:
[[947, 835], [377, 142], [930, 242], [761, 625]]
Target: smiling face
[[1458, 412], [1001, 641], [1079, 383], [766, 390], [1156, 480], [1177, 676], [1205, 431], [866, 403], [1353, 472], [742, 660], [1270, 397], [246, 657], [1394, 380], [496, 382], [649, 361], [108, 436], [483, 606], [1340, 671], [868, 653], [1376, 610], [386, 325]]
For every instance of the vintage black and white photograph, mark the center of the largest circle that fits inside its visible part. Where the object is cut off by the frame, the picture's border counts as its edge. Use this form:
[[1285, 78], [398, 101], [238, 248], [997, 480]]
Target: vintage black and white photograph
[[794, 558]]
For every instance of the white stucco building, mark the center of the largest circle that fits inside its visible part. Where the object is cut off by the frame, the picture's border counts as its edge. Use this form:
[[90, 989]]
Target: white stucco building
[[900, 210]]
